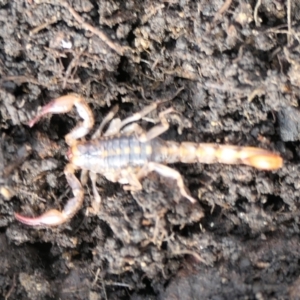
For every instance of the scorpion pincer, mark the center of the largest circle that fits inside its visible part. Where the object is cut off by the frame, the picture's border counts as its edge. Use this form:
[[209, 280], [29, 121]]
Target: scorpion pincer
[[126, 153]]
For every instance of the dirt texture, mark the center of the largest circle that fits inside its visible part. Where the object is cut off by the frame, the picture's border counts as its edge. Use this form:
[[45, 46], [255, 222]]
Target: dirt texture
[[238, 63]]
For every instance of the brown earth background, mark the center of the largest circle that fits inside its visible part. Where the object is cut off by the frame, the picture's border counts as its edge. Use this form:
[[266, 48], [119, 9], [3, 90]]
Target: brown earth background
[[238, 64]]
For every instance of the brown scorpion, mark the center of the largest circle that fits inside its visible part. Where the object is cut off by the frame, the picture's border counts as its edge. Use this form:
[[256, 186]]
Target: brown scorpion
[[126, 153]]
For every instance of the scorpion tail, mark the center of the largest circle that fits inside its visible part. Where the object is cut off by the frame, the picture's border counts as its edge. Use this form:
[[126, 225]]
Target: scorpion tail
[[187, 152]]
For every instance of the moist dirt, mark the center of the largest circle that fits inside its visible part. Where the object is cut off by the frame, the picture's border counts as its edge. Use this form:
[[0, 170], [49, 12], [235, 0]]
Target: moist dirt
[[237, 63]]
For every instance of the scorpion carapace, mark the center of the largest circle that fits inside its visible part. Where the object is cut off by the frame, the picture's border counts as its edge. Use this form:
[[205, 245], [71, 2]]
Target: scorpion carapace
[[126, 153]]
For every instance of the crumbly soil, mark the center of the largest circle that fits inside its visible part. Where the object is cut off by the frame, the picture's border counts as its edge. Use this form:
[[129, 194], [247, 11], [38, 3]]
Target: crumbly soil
[[239, 68]]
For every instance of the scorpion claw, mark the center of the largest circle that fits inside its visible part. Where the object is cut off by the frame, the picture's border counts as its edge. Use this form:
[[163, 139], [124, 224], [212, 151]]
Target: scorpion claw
[[45, 110], [52, 217]]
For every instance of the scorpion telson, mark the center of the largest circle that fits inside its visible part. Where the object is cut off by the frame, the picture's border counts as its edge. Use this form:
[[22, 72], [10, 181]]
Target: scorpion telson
[[126, 153]]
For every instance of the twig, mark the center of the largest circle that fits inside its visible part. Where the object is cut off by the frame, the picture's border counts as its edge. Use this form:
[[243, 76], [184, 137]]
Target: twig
[[11, 288], [222, 9], [223, 87], [21, 79], [111, 283], [257, 22], [102, 282], [289, 21], [37, 29], [116, 47], [188, 252], [103, 288], [86, 26], [30, 194], [96, 277], [71, 65]]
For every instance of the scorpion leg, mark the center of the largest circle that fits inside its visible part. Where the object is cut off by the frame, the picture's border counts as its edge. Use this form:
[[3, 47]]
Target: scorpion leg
[[95, 207], [130, 178], [116, 124], [166, 172], [54, 217], [113, 128], [159, 128], [105, 121], [133, 128], [125, 176], [140, 114], [153, 132], [63, 105], [134, 184], [146, 110], [137, 116]]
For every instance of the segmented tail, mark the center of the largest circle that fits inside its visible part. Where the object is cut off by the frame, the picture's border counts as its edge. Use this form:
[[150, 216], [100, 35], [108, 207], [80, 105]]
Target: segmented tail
[[187, 152]]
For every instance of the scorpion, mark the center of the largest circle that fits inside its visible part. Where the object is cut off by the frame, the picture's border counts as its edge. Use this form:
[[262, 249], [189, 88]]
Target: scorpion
[[126, 153]]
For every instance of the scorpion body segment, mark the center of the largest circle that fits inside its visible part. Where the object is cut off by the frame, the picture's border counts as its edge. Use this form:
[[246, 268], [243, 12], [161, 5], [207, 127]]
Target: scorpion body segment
[[111, 153], [125, 153]]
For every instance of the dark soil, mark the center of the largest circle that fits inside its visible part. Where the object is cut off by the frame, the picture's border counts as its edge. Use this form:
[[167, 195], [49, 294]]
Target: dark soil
[[239, 66]]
